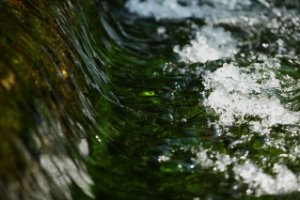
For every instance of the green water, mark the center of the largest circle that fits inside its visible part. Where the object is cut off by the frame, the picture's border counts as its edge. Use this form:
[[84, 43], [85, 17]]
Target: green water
[[92, 71]]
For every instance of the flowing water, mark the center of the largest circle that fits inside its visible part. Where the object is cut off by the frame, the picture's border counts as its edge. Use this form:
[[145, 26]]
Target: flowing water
[[149, 99]]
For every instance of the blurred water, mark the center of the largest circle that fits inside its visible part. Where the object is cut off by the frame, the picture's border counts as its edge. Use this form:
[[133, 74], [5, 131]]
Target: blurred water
[[149, 99]]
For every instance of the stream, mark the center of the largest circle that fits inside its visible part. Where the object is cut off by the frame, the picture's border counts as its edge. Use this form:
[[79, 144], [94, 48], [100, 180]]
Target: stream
[[149, 99]]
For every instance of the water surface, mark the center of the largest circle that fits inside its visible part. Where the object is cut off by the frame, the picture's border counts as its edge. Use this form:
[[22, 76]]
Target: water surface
[[149, 99]]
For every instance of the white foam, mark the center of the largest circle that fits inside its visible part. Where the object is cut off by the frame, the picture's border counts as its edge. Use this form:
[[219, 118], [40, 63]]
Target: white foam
[[207, 158], [203, 159], [163, 158], [161, 30], [284, 181], [238, 93], [235, 93], [259, 183], [173, 9], [209, 44]]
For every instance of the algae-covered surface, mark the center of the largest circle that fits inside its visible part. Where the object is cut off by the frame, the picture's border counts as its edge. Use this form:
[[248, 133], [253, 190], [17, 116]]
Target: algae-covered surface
[[152, 99]]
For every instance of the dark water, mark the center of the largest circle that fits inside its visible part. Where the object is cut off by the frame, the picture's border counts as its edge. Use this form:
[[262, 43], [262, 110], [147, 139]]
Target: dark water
[[95, 104]]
